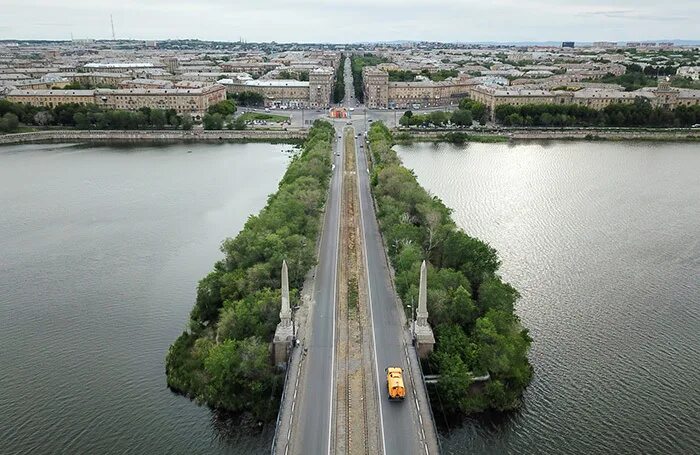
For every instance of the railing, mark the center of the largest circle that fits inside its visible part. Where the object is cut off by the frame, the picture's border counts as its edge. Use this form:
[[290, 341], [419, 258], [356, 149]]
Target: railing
[[430, 406], [282, 399]]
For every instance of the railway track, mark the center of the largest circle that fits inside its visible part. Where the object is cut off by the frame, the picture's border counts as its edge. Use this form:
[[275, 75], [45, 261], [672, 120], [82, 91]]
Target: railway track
[[352, 416]]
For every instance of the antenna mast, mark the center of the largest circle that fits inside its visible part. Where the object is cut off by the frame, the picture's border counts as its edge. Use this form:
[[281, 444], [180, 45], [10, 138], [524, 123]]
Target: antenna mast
[[111, 19]]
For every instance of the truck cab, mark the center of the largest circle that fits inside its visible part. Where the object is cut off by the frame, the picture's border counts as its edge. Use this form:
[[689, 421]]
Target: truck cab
[[394, 383]]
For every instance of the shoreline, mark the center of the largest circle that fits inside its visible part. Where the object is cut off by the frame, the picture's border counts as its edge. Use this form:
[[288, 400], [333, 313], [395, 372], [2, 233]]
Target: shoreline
[[401, 136], [517, 134], [161, 136]]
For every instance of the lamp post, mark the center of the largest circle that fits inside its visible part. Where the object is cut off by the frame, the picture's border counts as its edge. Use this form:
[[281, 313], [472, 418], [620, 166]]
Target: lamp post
[[413, 322]]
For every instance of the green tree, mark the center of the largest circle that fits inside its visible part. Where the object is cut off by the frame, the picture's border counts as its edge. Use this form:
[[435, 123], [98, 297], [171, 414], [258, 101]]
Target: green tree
[[81, 121], [462, 117], [158, 118], [224, 108], [438, 118], [213, 121], [9, 123]]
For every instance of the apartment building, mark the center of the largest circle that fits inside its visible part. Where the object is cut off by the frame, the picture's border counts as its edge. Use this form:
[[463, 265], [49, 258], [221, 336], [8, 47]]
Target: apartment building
[[193, 102]]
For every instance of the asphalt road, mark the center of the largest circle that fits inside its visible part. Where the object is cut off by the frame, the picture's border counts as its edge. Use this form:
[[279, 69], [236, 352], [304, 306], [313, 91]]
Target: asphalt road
[[312, 426], [313, 418], [399, 420], [400, 425]]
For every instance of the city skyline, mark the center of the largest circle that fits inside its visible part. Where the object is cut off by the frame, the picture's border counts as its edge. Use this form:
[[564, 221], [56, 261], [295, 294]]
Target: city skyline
[[357, 21]]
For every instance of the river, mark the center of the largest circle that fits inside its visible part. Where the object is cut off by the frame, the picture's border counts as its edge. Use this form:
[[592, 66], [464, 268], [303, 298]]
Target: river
[[101, 249], [602, 239]]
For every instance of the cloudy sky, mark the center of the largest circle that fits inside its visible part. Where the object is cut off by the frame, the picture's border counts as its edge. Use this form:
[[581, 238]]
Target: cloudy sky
[[353, 20]]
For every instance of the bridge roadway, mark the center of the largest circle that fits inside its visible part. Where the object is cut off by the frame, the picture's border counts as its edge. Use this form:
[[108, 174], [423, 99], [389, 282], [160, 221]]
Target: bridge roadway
[[401, 429], [312, 417]]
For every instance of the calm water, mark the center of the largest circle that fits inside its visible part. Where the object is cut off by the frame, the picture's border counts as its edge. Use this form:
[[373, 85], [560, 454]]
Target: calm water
[[603, 241], [100, 252]]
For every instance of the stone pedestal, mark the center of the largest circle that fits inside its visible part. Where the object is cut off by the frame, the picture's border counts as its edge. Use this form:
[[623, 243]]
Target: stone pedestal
[[424, 340], [282, 343]]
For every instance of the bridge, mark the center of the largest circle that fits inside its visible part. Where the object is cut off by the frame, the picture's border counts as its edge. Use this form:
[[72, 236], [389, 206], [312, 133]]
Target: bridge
[[335, 398]]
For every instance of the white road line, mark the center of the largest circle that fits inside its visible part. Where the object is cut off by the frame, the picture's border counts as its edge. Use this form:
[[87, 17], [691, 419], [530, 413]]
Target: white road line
[[369, 295], [341, 147]]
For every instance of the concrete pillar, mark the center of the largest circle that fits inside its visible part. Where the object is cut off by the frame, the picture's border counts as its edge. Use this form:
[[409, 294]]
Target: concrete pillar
[[284, 334], [422, 332]]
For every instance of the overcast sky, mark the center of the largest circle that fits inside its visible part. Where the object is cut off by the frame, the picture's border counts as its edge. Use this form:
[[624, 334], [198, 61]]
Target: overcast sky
[[353, 20]]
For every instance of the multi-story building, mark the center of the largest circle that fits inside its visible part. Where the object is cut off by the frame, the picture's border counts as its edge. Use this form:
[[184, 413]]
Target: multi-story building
[[321, 82], [595, 98], [693, 72], [289, 93], [193, 102], [379, 93], [52, 98]]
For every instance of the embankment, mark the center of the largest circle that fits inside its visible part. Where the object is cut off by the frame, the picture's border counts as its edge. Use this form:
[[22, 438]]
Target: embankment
[[153, 136], [505, 134]]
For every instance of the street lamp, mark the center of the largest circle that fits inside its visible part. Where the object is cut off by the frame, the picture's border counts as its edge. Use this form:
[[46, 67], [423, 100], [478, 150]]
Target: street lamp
[[413, 322]]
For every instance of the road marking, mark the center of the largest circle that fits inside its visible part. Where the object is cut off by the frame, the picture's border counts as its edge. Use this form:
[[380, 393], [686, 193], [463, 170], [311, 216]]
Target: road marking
[[341, 147], [369, 296]]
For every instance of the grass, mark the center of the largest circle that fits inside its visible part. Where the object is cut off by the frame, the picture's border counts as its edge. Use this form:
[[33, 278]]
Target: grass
[[249, 116]]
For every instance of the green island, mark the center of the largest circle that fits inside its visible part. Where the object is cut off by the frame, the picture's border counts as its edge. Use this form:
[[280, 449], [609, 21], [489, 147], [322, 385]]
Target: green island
[[471, 309], [223, 359]]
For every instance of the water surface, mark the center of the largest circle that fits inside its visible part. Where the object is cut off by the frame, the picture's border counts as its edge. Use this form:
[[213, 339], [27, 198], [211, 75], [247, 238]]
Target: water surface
[[100, 252], [603, 242]]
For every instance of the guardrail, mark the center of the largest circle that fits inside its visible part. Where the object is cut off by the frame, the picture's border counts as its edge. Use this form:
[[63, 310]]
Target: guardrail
[[282, 399]]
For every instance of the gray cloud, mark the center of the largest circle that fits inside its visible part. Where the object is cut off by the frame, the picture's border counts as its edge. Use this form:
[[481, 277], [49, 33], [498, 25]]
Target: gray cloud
[[353, 20]]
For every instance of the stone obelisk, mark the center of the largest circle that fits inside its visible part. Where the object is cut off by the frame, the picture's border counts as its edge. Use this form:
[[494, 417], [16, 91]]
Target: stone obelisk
[[423, 334], [284, 334], [285, 311]]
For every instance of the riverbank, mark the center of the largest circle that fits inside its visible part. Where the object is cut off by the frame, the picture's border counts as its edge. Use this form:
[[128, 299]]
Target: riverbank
[[586, 134], [165, 136]]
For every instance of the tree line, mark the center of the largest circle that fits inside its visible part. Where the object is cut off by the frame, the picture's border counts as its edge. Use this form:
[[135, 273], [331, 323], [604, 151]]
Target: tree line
[[247, 99], [357, 62], [88, 116], [465, 115], [470, 308], [223, 358], [339, 86], [410, 76], [636, 77], [640, 113]]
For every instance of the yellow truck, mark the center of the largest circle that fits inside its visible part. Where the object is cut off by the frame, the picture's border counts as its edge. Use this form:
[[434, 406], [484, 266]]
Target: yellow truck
[[394, 383]]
